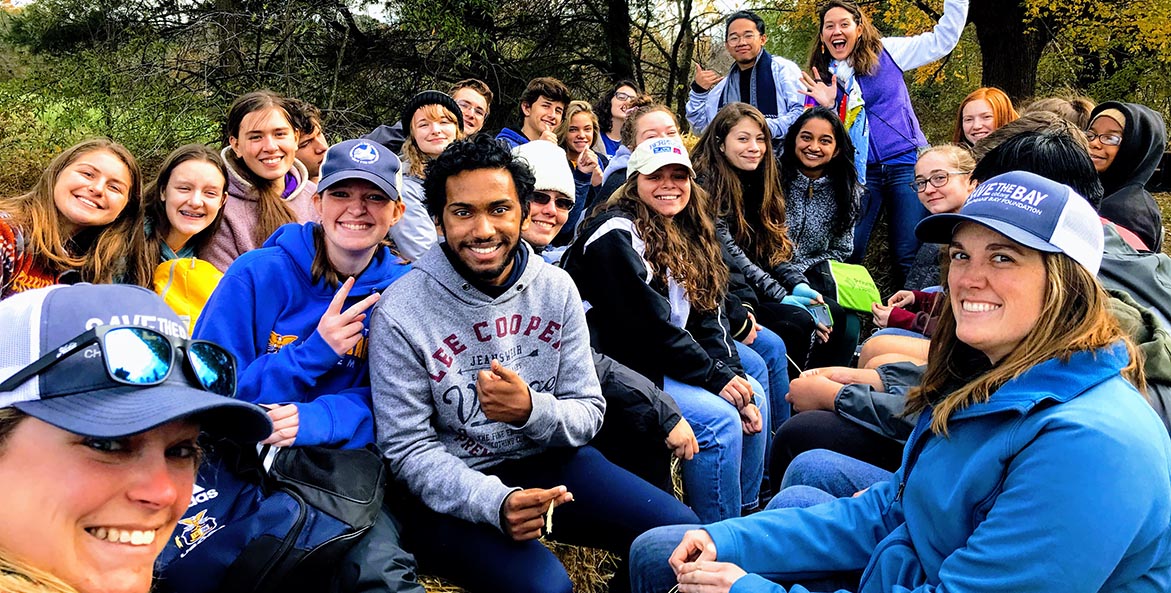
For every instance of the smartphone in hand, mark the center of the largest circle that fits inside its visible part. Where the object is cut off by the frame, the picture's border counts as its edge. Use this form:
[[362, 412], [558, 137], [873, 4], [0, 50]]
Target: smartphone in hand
[[821, 314]]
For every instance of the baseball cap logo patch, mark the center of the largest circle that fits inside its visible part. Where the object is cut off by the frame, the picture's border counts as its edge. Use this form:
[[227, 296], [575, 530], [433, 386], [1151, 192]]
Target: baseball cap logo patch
[[363, 153], [1018, 196]]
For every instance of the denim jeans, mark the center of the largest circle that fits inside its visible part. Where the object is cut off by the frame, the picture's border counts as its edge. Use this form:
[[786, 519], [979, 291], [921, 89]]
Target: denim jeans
[[890, 185], [771, 348], [650, 572], [833, 473], [726, 473]]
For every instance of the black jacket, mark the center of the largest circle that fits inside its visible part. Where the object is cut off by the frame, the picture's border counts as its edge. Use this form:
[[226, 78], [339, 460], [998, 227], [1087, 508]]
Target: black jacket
[[629, 311], [1127, 202]]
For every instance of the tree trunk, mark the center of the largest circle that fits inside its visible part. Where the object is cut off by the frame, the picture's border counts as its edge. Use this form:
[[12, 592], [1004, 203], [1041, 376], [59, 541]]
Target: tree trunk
[[618, 39], [1009, 50]]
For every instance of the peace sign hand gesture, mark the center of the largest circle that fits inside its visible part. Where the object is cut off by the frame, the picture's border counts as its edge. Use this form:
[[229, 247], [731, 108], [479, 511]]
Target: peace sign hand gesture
[[342, 329]]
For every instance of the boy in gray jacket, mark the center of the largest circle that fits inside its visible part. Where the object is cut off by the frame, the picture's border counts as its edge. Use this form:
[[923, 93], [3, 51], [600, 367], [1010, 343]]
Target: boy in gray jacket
[[485, 394]]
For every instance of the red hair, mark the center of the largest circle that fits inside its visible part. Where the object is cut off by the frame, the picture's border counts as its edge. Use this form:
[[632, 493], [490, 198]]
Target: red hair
[[1002, 111]]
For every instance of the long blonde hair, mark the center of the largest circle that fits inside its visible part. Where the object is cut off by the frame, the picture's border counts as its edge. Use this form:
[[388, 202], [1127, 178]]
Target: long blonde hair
[[1073, 318], [115, 252]]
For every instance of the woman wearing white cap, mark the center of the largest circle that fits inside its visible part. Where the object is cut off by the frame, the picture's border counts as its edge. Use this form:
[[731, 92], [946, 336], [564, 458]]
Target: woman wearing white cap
[[98, 428], [1036, 465], [649, 268]]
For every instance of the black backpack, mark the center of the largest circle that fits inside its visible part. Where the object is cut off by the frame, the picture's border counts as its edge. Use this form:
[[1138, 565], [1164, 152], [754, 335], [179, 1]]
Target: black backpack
[[275, 521]]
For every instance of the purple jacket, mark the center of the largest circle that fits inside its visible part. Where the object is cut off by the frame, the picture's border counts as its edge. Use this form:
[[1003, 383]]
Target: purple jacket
[[894, 129]]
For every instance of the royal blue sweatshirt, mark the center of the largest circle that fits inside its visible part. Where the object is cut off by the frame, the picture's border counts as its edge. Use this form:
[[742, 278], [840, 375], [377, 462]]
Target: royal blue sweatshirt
[[265, 311]]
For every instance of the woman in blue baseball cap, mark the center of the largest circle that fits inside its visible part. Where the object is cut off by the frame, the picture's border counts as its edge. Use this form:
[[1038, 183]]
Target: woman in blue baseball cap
[[102, 397], [295, 312], [1036, 464]]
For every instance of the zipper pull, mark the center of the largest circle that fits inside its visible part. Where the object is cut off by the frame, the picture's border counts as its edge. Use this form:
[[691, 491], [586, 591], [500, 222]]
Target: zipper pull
[[899, 494]]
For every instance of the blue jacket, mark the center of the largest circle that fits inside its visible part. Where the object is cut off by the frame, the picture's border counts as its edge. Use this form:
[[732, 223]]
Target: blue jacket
[[265, 312], [1059, 483], [512, 137]]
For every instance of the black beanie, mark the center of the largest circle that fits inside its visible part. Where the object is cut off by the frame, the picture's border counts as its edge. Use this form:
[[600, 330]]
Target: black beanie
[[431, 98]]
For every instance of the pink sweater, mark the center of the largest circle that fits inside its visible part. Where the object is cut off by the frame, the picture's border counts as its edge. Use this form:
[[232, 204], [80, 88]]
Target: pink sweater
[[240, 213]]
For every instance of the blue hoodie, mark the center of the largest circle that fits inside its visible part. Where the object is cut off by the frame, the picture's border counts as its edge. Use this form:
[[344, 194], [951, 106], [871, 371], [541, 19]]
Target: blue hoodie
[[512, 137], [1058, 483], [265, 311]]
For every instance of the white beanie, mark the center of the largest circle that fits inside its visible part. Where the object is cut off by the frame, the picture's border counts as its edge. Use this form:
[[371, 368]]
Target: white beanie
[[549, 165]]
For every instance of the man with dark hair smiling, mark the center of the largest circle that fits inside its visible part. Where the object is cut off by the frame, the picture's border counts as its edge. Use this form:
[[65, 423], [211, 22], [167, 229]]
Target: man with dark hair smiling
[[542, 106], [485, 394], [770, 83]]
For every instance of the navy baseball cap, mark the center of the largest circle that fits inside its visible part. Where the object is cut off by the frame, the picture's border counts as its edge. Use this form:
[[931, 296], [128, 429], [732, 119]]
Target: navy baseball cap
[[76, 394], [1034, 211], [362, 159]]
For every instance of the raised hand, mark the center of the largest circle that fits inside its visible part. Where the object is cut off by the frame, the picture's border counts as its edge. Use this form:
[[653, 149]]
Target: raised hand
[[342, 329], [706, 79], [824, 94]]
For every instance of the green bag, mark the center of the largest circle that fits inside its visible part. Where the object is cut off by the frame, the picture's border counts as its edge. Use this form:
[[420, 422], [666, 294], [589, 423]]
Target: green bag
[[856, 288]]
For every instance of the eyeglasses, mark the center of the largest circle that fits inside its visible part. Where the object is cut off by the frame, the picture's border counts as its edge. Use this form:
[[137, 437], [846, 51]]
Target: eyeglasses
[[747, 37], [937, 179], [542, 198], [467, 106], [1109, 139], [141, 357], [624, 97]]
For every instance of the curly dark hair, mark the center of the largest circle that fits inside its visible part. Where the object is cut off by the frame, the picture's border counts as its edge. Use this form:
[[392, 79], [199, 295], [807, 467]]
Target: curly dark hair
[[480, 152]]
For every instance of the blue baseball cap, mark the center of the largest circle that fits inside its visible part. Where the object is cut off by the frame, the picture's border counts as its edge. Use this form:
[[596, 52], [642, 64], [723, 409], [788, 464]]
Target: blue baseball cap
[[362, 159], [76, 394], [1034, 211]]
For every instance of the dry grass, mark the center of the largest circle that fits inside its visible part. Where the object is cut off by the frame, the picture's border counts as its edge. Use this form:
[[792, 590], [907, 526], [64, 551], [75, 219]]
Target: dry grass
[[589, 569]]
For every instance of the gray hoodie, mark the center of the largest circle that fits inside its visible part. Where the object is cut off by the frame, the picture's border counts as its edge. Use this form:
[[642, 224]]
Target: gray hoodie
[[430, 335]]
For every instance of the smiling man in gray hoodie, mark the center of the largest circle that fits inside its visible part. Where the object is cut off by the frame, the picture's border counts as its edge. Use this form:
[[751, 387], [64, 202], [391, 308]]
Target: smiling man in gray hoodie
[[485, 394]]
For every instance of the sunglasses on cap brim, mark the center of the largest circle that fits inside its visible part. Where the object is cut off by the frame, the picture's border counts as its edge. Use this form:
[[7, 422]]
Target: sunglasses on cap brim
[[142, 357]]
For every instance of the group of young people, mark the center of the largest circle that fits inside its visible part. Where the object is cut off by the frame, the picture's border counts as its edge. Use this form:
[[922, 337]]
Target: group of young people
[[531, 324]]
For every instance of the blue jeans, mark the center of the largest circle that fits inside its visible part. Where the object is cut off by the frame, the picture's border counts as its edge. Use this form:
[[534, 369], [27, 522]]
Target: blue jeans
[[897, 331], [890, 185], [771, 348], [835, 474], [726, 473], [650, 572]]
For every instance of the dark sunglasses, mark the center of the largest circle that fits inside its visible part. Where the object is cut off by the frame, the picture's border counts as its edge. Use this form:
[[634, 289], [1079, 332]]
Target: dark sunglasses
[[542, 198], [141, 357]]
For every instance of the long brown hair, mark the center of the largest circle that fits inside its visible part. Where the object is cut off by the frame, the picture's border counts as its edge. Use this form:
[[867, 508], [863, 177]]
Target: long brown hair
[[271, 209], [770, 244], [111, 253], [416, 159], [866, 52], [575, 108], [684, 246], [156, 207], [1073, 318]]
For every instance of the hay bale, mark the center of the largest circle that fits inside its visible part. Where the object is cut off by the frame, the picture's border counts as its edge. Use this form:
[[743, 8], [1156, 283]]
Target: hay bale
[[590, 569]]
